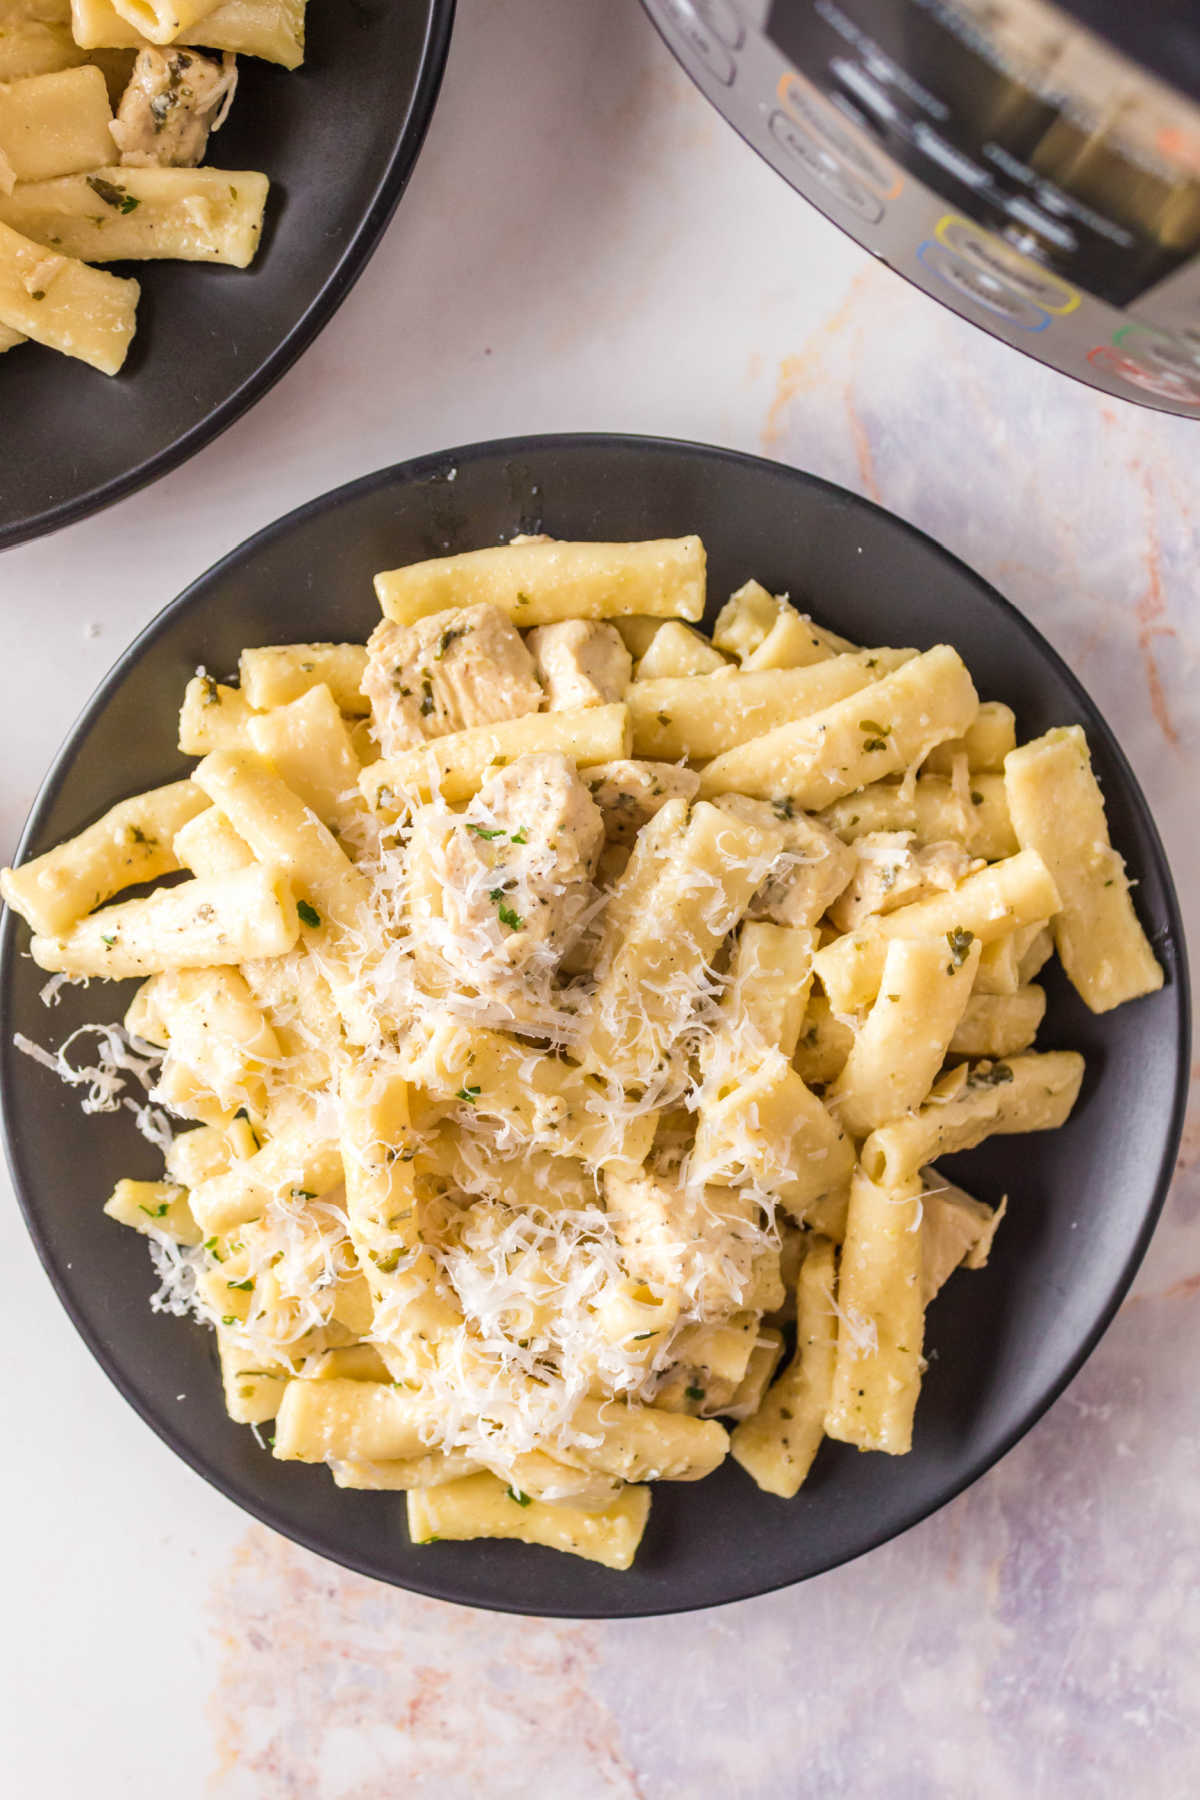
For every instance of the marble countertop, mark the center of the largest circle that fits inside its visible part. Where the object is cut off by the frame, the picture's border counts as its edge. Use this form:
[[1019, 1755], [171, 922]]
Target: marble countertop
[[585, 245]]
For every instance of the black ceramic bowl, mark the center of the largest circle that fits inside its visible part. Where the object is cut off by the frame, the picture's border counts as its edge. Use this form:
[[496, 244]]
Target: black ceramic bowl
[[339, 138], [1083, 1201]]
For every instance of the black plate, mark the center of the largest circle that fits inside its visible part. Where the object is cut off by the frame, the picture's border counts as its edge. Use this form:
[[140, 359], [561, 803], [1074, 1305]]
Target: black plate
[[339, 138], [1083, 1200]]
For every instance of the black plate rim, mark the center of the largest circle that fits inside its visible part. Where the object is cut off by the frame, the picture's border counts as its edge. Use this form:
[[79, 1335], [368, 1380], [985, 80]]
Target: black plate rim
[[433, 466], [389, 191]]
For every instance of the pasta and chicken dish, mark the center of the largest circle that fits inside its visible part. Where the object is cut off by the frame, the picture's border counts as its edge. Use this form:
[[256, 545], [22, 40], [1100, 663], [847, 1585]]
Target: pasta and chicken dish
[[556, 1016], [106, 110]]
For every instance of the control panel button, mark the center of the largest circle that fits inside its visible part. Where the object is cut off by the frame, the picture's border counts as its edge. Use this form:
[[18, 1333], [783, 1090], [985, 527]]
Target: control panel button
[[1167, 384], [722, 18], [825, 166], [821, 119], [984, 287], [701, 37], [987, 251]]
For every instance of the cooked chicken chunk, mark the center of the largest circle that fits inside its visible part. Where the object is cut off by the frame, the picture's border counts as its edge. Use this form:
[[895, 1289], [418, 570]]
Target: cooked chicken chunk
[[581, 662], [698, 1243], [173, 100], [454, 669], [517, 878], [811, 873], [955, 1230], [894, 870], [630, 793]]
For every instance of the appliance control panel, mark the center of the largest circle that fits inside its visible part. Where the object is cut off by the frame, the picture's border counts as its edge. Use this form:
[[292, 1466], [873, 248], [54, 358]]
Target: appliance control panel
[[1016, 166]]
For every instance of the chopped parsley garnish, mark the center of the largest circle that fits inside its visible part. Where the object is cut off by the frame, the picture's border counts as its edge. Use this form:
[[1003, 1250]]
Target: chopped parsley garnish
[[303, 1194], [230, 1319], [520, 1498], [664, 718], [387, 1265], [873, 727], [446, 639], [507, 916], [110, 941], [523, 600], [210, 1244], [426, 706], [694, 1393], [308, 914], [640, 1337], [244, 1287], [996, 1076], [518, 837], [960, 942], [469, 1094], [112, 195], [482, 831], [784, 809], [154, 1212]]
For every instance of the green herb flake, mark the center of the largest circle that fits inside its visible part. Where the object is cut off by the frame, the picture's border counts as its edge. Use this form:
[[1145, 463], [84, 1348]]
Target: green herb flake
[[245, 1287], [303, 1194], [112, 195], [996, 1076], [154, 1212], [109, 941], [523, 600], [785, 808], [506, 914], [960, 942], [469, 1094], [308, 914], [481, 831], [664, 718], [210, 1244], [518, 837], [694, 1393], [426, 706], [447, 638], [230, 1319], [639, 1337], [520, 1498]]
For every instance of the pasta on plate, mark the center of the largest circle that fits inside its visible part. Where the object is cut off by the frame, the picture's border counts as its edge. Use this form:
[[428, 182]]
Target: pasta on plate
[[106, 109], [567, 1012]]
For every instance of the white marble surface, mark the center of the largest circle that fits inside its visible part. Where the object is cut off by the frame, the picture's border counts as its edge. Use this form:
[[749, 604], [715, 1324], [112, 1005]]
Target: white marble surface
[[585, 245]]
